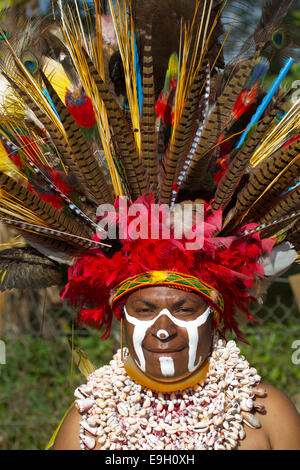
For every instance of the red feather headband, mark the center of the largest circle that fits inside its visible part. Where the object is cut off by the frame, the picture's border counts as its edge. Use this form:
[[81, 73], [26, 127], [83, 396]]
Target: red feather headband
[[229, 265]]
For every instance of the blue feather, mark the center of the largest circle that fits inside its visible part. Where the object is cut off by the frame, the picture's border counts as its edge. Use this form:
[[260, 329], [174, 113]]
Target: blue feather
[[139, 87], [261, 109], [45, 91]]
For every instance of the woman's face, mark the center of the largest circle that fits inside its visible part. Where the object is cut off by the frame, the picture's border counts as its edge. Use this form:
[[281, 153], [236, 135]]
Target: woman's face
[[168, 331]]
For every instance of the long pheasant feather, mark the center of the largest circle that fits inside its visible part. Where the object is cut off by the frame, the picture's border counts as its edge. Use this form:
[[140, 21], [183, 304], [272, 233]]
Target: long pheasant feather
[[287, 205], [44, 211], [76, 240], [181, 141], [238, 165], [186, 161], [149, 148], [270, 229], [71, 206], [134, 168], [266, 181], [124, 29], [279, 184], [281, 227], [96, 89], [216, 122], [60, 141]]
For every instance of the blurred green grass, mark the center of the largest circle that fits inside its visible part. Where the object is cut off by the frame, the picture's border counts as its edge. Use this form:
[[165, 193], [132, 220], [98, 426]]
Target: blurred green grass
[[37, 386], [270, 352]]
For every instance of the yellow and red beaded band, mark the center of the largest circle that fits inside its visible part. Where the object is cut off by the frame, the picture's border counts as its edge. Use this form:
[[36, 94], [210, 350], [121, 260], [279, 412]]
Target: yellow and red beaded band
[[170, 279]]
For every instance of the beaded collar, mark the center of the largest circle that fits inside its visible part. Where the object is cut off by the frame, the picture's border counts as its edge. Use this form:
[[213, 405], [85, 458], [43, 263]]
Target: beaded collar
[[120, 414]]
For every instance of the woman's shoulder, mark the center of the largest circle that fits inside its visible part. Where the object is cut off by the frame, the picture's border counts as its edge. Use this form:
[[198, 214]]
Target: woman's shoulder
[[281, 420], [68, 435]]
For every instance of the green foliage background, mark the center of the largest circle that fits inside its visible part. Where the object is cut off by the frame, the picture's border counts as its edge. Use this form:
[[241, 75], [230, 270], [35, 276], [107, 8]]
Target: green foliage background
[[37, 385]]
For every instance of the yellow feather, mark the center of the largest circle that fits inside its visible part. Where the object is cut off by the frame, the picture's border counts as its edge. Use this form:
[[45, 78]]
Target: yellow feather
[[7, 166], [77, 41], [57, 77], [124, 28], [287, 128]]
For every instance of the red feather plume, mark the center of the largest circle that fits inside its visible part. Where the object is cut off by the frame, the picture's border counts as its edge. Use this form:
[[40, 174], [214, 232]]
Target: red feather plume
[[229, 264]]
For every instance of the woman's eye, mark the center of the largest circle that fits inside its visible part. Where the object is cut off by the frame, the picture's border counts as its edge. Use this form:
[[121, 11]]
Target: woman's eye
[[186, 310]]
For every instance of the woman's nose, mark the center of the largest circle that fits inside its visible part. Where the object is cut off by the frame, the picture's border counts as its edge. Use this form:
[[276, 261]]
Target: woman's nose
[[164, 328], [162, 334]]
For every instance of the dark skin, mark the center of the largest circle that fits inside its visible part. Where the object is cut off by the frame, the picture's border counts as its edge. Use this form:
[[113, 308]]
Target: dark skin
[[146, 304], [280, 425]]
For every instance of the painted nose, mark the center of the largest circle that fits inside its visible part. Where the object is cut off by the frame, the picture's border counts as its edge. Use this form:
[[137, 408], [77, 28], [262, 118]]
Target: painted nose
[[162, 334], [164, 328]]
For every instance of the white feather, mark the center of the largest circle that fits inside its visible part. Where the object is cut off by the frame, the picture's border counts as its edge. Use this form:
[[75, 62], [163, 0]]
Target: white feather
[[279, 260], [275, 264]]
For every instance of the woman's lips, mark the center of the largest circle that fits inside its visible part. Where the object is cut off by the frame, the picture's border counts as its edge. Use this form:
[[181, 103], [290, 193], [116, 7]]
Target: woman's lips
[[164, 350]]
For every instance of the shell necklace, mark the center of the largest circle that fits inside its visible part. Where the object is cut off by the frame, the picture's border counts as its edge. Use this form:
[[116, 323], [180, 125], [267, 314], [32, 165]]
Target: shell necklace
[[119, 414]]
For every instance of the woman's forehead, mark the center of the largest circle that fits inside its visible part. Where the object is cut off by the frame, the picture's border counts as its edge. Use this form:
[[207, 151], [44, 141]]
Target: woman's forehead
[[161, 294]]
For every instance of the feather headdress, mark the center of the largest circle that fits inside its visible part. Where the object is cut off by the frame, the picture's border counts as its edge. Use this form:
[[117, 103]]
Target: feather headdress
[[119, 103]]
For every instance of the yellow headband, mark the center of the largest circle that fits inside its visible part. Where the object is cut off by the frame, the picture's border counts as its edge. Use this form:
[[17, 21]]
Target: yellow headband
[[170, 279]]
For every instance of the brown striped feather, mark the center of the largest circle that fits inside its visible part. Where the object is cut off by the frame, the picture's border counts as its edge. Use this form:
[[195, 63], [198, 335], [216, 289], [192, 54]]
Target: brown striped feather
[[49, 245], [238, 165], [77, 241], [275, 188], [149, 145], [217, 121], [51, 216], [280, 229], [134, 168], [57, 138], [182, 140], [266, 182], [287, 205]]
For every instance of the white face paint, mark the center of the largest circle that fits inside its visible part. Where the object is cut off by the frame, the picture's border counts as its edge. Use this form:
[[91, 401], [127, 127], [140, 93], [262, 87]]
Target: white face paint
[[167, 366], [141, 326], [162, 334]]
